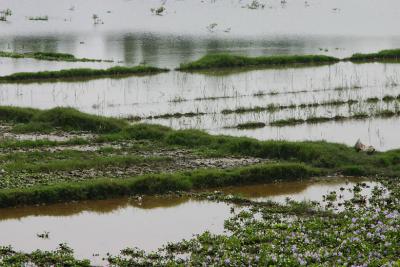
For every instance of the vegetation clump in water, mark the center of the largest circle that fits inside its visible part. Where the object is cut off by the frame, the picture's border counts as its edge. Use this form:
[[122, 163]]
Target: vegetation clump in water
[[50, 56], [216, 61], [113, 72], [383, 55]]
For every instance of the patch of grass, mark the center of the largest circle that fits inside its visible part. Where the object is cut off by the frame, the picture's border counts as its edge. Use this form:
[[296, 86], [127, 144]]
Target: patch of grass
[[393, 54], [33, 127], [251, 125], [388, 98], [80, 162], [72, 119], [176, 115], [217, 61], [68, 119], [317, 119], [39, 18], [372, 100], [114, 72], [17, 114], [154, 184], [287, 122]]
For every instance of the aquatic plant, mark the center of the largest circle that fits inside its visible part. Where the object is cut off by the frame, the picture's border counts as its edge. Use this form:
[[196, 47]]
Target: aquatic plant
[[298, 234]]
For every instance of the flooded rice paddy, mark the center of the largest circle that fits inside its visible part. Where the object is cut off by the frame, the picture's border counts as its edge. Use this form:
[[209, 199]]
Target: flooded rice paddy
[[95, 228], [128, 33], [164, 40], [207, 96]]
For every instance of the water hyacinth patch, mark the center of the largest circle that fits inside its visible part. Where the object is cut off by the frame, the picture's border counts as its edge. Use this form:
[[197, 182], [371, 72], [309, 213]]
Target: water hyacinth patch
[[360, 235]]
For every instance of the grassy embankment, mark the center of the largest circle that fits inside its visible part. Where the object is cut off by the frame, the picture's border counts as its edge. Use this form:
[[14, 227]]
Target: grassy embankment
[[81, 73], [50, 56], [291, 160]]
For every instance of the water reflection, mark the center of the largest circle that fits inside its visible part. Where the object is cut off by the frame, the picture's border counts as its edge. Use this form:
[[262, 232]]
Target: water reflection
[[110, 225]]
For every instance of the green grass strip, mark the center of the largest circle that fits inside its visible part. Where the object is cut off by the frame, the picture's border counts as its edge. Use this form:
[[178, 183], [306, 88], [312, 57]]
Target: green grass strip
[[69, 119], [154, 184]]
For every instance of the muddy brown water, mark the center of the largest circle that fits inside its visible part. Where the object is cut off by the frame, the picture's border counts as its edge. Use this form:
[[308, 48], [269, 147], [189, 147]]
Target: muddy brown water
[[98, 227]]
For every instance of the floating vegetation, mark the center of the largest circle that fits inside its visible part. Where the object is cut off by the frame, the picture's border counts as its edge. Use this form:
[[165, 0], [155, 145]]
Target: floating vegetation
[[44, 235], [255, 4], [113, 72], [40, 18], [51, 56], [159, 11], [216, 61], [295, 234], [356, 116], [96, 19], [4, 14], [251, 125], [176, 115]]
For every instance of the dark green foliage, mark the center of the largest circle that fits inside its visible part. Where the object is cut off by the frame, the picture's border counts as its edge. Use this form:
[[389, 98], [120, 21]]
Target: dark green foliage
[[216, 61]]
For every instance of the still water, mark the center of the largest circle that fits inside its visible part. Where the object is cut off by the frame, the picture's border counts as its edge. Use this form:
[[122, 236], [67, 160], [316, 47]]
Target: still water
[[98, 227]]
